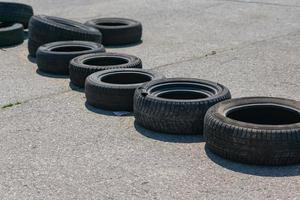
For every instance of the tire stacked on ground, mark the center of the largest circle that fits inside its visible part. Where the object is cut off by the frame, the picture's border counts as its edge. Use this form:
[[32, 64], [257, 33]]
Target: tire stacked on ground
[[118, 31], [15, 13], [11, 34], [176, 105], [45, 29], [81, 67], [255, 130], [114, 89], [14, 18], [55, 57]]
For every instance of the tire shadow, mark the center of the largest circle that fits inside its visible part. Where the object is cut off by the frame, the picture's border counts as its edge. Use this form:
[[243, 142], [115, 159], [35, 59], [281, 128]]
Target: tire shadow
[[31, 59], [51, 75], [103, 112], [124, 46], [257, 170], [75, 88], [168, 137]]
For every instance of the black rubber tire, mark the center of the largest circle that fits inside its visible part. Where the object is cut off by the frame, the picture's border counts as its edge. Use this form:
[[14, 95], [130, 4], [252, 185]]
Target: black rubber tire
[[114, 89], [79, 70], [46, 29], [165, 114], [250, 142], [15, 13], [11, 34], [118, 31], [55, 57]]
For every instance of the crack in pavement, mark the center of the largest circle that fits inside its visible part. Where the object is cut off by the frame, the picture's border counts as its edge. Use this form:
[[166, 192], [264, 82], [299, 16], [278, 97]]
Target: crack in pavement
[[262, 3], [224, 50]]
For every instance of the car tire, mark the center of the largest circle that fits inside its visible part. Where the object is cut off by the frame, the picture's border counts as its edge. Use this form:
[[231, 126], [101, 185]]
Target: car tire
[[114, 89], [82, 66], [118, 31], [46, 29], [15, 13], [11, 34], [255, 130], [55, 57], [176, 105]]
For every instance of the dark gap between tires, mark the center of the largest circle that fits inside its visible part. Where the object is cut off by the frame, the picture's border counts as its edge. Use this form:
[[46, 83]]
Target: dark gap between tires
[[4, 25], [265, 115], [106, 61], [70, 49], [126, 78], [182, 95], [111, 24]]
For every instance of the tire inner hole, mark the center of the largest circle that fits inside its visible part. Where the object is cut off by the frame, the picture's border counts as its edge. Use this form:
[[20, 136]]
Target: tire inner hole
[[265, 115], [106, 61], [181, 94], [126, 78], [111, 24], [70, 49]]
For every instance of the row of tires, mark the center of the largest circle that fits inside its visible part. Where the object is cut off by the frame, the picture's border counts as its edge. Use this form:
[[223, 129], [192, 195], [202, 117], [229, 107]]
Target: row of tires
[[257, 130], [108, 31], [249, 130], [14, 17]]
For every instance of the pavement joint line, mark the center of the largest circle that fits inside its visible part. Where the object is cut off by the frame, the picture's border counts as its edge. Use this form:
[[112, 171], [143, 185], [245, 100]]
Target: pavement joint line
[[10, 105], [224, 50], [262, 3], [214, 52]]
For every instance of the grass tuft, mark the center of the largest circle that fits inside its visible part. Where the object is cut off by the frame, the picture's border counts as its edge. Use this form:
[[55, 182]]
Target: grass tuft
[[10, 105]]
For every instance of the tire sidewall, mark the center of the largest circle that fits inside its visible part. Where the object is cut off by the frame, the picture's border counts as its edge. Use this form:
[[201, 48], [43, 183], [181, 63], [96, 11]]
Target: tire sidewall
[[133, 61]]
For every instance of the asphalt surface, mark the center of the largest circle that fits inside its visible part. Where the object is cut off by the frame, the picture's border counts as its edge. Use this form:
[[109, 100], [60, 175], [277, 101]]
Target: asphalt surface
[[53, 146]]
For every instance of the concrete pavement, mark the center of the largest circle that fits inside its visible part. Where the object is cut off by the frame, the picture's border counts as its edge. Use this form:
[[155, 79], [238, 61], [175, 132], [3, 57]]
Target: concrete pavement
[[53, 146]]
